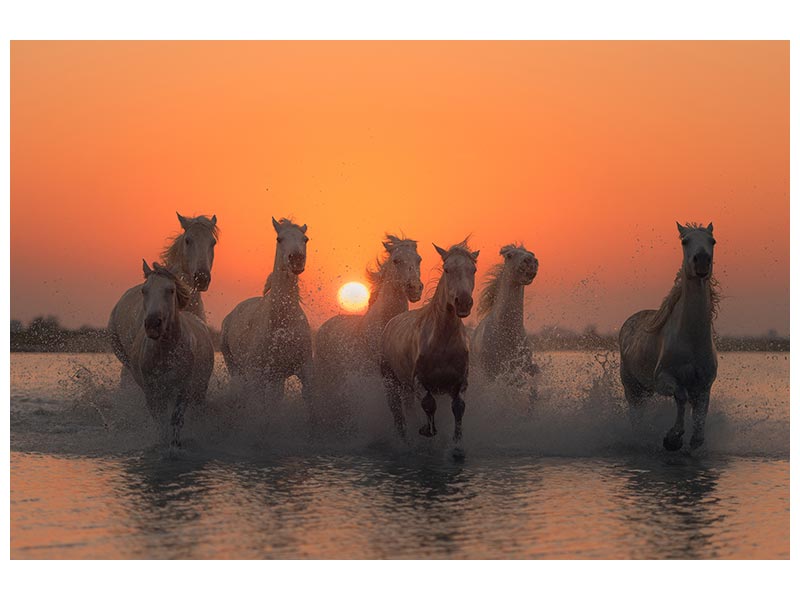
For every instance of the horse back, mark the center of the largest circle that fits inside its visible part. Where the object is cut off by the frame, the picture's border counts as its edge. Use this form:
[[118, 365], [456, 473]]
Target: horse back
[[201, 347], [399, 346], [639, 348], [126, 318]]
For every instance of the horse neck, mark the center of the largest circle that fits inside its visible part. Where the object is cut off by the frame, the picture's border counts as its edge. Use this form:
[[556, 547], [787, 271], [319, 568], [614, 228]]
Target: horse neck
[[390, 301], [444, 321], [284, 291], [693, 310], [509, 303]]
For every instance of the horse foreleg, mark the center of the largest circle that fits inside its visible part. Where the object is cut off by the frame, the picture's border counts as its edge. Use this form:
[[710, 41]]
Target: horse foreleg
[[699, 412], [176, 421], [674, 438], [395, 398], [429, 406], [306, 376], [458, 406]]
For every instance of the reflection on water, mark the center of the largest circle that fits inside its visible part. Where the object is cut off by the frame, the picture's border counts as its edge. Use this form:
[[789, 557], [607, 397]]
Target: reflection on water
[[398, 507], [565, 480]]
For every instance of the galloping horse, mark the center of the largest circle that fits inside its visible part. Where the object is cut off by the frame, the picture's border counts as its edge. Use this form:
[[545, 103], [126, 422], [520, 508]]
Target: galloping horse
[[172, 356], [670, 351], [347, 343], [426, 350], [499, 342], [190, 255], [267, 339]]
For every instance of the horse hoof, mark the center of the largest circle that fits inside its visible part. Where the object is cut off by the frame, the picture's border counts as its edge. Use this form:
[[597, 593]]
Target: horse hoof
[[695, 443], [458, 454], [673, 442], [427, 431]]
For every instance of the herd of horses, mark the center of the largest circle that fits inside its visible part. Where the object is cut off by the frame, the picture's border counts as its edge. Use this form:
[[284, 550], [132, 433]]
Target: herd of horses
[[159, 334]]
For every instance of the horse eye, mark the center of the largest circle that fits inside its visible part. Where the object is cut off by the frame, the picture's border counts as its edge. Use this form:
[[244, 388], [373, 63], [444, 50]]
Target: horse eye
[[305, 239], [280, 239], [188, 241], [213, 243], [144, 291], [713, 242], [396, 261], [684, 242]]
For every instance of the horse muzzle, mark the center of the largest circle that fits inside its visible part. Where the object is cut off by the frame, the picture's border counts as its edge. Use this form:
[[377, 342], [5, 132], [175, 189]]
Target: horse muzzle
[[202, 279], [153, 327], [463, 307], [414, 292], [297, 264]]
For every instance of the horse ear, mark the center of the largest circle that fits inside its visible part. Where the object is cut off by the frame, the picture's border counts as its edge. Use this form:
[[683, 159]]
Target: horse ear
[[681, 229], [275, 224], [146, 269], [442, 252], [183, 220], [304, 228], [475, 254], [710, 228], [214, 219]]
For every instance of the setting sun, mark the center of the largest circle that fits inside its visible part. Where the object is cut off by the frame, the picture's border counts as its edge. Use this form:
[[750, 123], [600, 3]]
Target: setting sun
[[353, 296]]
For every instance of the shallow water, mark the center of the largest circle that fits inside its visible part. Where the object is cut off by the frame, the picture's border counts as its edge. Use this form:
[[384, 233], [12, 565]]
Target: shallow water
[[562, 476]]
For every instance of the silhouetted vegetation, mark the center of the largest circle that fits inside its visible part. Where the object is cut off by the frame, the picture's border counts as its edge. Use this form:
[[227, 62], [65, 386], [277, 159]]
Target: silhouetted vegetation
[[45, 334]]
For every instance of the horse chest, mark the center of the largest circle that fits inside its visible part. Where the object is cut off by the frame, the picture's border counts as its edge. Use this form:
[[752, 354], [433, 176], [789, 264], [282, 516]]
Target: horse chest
[[285, 349], [687, 367], [442, 369]]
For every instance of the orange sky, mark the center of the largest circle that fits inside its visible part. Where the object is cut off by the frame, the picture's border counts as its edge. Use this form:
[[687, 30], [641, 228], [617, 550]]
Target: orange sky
[[586, 151]]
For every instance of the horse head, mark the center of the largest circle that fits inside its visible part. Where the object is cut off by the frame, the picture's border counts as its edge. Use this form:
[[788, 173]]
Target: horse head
[[163, 295], [292, 240], [197, 253], [521, 264], [698, 250], [404, 262], [458, 277]]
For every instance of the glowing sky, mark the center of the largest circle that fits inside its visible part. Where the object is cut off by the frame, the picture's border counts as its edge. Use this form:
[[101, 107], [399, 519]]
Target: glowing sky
[[586, 152]]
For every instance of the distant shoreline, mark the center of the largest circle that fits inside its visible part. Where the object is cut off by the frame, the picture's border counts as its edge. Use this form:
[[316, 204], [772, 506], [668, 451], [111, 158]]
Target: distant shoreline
[[88, 340]]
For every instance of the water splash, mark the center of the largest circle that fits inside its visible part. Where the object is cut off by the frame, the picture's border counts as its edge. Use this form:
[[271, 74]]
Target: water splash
[[573, 407]]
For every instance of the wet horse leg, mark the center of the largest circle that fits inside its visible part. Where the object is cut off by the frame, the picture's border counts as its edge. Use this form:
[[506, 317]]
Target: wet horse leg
[[458, 407], [429, 406], [395, 398], [176, 421], [306, 376], [674, 438], [699, 412]]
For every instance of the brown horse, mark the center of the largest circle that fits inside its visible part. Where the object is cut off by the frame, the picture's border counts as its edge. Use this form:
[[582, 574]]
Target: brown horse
[[426, 350]]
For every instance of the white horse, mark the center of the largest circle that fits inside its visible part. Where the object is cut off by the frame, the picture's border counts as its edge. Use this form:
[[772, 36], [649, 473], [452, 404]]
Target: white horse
[[351, 343], [671, 351], [190, 255], [499, 342], [426, 350], [172, 356], [267, 339]]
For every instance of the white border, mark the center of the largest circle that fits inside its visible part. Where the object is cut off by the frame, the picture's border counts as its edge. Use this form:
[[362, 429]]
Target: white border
[[412, 19]]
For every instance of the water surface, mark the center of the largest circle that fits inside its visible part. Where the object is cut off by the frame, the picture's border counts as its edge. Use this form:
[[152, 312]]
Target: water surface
[[562, 476]]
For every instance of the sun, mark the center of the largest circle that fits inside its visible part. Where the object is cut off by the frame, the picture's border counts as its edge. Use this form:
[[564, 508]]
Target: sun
[[353, 296]]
